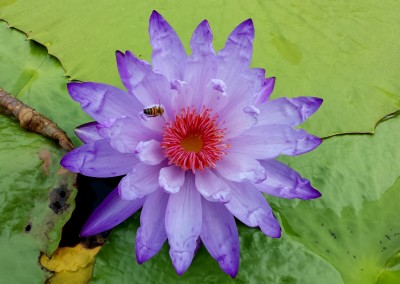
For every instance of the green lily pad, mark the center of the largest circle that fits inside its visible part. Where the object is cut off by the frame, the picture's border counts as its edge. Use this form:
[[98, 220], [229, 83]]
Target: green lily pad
[[354, 226], [343, 52], [352, 231], [36, 201], [281, 261], [36, 196], [36, 78]]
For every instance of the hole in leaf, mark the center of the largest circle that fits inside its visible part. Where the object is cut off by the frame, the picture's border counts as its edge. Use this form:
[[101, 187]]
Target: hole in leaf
[[28, 227], [58, 199]]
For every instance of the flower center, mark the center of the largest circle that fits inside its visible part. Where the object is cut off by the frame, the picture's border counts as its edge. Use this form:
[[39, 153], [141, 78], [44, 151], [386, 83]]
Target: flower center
[[192, 143], [194, 140]]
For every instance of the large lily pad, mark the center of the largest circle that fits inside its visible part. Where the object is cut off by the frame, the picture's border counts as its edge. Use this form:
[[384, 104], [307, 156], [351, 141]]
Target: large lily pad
[[352, 231], [36, 201], [281, 261], [343, 52], [36, 196], [36, 78]]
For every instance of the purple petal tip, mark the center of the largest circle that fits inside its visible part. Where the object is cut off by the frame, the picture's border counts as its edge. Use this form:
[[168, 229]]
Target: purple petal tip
[[71, 86], [143, 253], [247, 26], [181, 261], [156, 19], [154, 13], [248, 22], [229, 266], [270, 226], [313, 193]]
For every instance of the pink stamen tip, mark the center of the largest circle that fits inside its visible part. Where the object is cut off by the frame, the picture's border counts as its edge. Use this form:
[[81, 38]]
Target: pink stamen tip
[[194, 141]]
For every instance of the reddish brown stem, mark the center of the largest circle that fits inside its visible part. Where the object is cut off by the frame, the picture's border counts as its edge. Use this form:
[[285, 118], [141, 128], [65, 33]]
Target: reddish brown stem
[[32, 120]]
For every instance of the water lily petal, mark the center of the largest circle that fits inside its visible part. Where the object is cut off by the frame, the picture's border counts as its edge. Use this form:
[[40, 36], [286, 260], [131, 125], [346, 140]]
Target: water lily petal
[[269, 141], [102, 101], [284, 182], [98, 159], [183, 224], [289, 111], [88, 132], [267, 87], [236, 118], [149, 88], [201, 42], [168, 52], [151, 234], [212, 187], [250, 207], [125, 133], [201, 66], [239, 167], [140, 182], [171, 178], [111, 212], [233, 63], [220, 236], [149, 152], [215, 95], [236, 55]]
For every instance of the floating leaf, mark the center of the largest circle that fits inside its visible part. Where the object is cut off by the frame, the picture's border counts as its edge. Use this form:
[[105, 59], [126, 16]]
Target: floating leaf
[[281, 260], [343, 52], [36, 201], [36, 78], [37, 196], [352, 231]]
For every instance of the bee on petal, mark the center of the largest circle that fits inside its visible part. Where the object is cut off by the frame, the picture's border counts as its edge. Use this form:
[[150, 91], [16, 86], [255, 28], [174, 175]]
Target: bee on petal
[[154, 111]]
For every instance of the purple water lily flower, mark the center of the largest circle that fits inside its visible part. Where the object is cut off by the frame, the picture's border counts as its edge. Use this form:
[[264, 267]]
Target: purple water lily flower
[[196, 138]]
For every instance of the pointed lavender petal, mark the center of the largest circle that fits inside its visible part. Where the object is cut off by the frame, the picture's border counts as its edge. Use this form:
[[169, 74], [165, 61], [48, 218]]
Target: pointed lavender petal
[[201, 66], [201, 42], [266, 90], [269, 141], [151, 235], [220, 236], [238, 49], [261, 87], [284, 182], [250, 207], [233, 65], [139, 79], [88, 132], [142, 181], [240, 167], [111, 212], [125, 133], [98, 159], [168, 52], [183, 224], [212, 187], [102, 101], [288, 111]]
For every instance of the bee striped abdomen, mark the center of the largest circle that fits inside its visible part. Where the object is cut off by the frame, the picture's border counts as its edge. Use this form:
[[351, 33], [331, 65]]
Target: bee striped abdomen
[[153, 111]]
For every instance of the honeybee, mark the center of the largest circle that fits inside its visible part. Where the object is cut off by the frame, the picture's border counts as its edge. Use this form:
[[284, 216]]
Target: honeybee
[[154, 111]]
